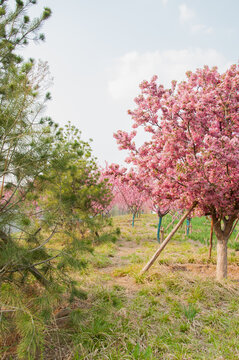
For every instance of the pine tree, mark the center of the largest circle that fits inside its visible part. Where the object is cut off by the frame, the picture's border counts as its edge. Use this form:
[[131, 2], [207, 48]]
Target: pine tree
[[49, 184]]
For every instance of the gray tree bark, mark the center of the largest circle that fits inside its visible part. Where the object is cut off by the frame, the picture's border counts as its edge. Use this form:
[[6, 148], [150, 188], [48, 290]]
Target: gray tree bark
[[221, 272], [222, 228]]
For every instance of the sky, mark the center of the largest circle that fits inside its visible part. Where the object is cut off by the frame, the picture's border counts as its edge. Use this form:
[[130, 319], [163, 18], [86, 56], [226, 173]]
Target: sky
[[99, 51]]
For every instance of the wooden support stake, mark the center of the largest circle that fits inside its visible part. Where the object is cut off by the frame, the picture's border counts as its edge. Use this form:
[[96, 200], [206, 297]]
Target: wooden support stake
[[235, 223], [162, 246], [237, 237]]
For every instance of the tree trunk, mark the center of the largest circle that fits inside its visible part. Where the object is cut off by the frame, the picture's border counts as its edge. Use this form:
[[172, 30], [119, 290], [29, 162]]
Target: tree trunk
[[221, 259], [210, 241], [188, 221], [159, 226], [222, 228]]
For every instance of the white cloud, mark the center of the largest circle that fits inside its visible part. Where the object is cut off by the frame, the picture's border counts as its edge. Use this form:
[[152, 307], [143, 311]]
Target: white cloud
[[185, 13], [132, 68], [202, 28], [164, 2], [187, 16]]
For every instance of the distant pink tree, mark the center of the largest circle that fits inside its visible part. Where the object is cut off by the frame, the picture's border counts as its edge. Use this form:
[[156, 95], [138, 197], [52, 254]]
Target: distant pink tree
[[6, 198], [11, 198], [193, 151], [127, 189]]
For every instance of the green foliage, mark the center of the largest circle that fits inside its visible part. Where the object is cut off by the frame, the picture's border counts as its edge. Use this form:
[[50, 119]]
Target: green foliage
[[73, 186]]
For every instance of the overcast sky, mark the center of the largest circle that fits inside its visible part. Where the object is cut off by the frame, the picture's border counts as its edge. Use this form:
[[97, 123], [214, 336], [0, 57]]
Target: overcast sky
[[100, 50]]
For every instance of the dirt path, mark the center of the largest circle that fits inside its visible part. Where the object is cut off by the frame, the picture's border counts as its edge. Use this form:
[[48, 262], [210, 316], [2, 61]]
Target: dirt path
[[120, 260]]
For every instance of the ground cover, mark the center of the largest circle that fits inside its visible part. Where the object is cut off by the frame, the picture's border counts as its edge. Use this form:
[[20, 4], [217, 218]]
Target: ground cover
[[175, 311]]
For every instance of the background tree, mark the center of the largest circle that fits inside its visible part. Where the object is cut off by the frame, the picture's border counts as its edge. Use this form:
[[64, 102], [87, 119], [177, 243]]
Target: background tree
[[128, 189], [74, 187]]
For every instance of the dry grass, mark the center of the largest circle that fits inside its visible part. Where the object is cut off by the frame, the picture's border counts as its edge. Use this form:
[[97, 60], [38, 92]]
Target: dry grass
[[175, 311]]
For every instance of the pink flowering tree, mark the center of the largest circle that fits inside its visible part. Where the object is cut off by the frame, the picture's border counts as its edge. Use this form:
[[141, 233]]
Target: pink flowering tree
[[193, 151], [128, 189]]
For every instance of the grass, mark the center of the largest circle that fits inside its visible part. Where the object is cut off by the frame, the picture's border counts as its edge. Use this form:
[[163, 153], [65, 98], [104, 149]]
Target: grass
[[168, 318], [175, 311]]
